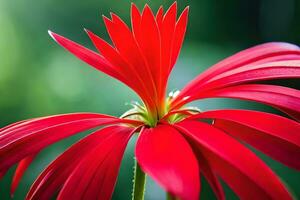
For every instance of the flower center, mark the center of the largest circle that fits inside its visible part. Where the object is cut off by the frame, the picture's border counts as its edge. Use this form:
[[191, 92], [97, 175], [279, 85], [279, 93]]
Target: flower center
[[140, 112]]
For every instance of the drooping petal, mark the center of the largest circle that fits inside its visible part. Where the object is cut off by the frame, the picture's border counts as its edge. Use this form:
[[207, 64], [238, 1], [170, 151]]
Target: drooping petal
[[55, 175], [44, 122], [242, 170], [51, 179], [272, 134], [88, 56], [95, 176], [283, 98], [10, 133], [208, 172], [167, 157], [21, 168], [28, 138], [278, 149]]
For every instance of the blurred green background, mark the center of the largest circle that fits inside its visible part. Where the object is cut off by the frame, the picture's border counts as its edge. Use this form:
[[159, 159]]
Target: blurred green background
[[38, 78]]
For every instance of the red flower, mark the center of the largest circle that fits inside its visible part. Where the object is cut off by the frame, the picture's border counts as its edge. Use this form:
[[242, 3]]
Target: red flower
[[176, 144]]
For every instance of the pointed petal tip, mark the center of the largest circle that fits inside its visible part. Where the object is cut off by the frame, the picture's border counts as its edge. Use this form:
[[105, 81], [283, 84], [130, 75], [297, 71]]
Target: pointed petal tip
[[147, 11], [49, 32], [132, 5], [12, 192], [105, 19], [134, 9], [87, 31], [90, 34], [52, 34], [184, 14], [174, 4], [186, 9], [113, 16], [146, 7]]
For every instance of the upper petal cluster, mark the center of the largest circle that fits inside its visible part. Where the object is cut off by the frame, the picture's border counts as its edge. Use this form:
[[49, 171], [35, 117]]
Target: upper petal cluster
[[142, 56]]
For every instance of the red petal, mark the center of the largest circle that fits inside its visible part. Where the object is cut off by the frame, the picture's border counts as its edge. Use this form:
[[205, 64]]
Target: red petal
[[278, 149], [13, 124], [95, 176], [286, 99], [241, 169], [148, 39], [22, 167], [291, 113], [272, 70], [245, 74], [260, 54], [54, 176], [2, 173], [86, 55], [165, 155], [275, 135], [125, 43], [159, 16], [136, 18], [208, 172], [167, 30], [30, 137], [132, 78], [179, 35], [149, 43], [12, 132], [111, 55]]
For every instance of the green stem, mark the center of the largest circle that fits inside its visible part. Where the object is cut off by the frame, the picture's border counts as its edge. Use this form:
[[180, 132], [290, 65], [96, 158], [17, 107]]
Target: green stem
[[139, 183]]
